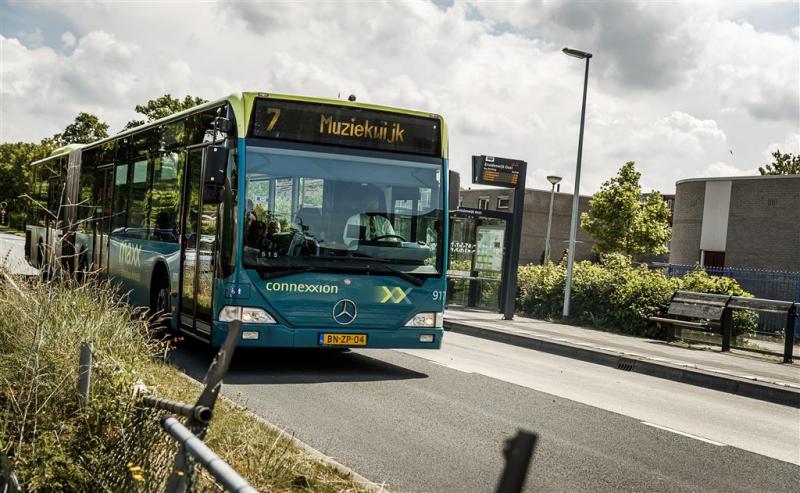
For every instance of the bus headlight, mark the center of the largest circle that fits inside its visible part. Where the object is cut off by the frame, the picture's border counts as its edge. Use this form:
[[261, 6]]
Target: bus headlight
[[247, 315], [426, 319]]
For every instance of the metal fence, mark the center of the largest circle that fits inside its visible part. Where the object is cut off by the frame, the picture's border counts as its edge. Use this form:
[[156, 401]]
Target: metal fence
[[772, 285], [158, 452]]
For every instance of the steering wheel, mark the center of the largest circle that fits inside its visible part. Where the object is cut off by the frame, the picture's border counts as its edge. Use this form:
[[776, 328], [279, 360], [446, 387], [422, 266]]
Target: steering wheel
[[383, 237]]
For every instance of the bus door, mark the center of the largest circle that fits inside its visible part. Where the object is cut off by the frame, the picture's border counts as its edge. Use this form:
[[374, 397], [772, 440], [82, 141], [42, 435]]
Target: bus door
[[102, 214], [53, 220], [197, 250]]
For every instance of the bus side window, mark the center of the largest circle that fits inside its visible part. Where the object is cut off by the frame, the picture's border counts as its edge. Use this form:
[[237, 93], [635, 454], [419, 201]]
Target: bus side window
[[165, 198], [120, 207]]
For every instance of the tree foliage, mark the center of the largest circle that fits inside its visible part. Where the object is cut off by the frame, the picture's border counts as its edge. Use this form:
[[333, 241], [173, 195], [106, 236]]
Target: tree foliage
[[621, 222], [15, 160], [784, 164], [16, 157], [84, 129], [161, 107]]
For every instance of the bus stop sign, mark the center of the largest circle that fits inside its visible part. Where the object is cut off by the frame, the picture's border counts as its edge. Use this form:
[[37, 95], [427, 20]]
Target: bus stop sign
[[496, 171]]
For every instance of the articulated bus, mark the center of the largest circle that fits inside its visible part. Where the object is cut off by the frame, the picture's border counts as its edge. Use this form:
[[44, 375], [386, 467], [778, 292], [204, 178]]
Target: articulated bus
[[317, 223]]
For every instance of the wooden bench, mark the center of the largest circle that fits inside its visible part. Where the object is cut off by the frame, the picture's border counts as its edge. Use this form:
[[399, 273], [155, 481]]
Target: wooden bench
[[698, 311]]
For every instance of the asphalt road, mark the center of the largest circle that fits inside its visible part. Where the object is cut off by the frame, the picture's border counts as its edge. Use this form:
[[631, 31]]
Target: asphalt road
[[435, 421], [12, 254]]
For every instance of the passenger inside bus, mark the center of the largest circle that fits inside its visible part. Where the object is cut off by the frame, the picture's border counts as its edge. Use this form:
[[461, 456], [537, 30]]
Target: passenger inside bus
[[266, 238], [254, 230]]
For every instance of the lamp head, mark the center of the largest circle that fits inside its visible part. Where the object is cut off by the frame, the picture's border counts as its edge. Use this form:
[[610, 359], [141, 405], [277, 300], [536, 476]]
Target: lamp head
[[576, 53], [554, 180]]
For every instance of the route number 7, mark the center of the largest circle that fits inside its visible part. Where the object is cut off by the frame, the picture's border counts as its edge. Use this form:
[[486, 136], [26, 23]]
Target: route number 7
[[276, 113]]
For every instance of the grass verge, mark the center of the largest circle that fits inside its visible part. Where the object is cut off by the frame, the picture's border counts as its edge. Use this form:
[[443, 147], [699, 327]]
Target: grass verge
[[113, 443]]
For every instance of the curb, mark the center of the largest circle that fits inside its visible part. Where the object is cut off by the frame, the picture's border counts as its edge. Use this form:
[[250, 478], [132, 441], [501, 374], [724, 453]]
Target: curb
[[325, 459], [732, 384]]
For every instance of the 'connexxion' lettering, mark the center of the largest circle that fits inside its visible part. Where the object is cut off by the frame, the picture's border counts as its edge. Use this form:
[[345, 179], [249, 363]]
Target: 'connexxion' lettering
[[290, 287]]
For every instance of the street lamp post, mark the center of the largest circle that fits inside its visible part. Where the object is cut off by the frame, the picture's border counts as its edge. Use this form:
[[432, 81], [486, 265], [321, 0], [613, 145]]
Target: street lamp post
[[573, 231], [554, 180]]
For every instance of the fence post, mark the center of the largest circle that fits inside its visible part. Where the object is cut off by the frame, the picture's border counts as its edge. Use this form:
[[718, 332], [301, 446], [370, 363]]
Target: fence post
[[727, 328], [178, 482], [85, 371], [8, 479], [788, 343]]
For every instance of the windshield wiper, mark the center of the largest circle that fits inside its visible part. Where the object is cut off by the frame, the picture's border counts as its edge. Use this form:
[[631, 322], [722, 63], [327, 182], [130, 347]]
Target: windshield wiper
[[387, 268], [370, 264], [288, 272]]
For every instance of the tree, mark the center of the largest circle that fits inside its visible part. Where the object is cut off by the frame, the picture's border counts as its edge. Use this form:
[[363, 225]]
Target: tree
[[621, 222], [784, 164], [84, 129], [16, 157], [15, 160], [162, 107]]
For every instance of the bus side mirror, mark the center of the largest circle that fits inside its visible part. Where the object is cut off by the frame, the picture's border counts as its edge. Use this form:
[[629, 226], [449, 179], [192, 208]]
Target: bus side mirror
[[215, 166], [454, 190]]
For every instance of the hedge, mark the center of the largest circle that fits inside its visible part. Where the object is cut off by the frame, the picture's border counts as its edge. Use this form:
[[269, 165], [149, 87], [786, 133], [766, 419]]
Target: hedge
[[615, 295]]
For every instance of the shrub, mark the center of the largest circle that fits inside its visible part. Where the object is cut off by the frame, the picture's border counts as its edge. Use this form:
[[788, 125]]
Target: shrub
[[615, 295]]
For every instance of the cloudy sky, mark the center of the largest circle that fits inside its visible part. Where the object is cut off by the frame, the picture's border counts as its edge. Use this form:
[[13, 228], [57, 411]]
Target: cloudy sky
[[684, 89]]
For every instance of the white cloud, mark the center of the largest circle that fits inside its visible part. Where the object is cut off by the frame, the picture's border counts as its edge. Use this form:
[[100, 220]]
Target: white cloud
[[790, 145], [68, 39], [33, 39], [725, 169], [671, 87]]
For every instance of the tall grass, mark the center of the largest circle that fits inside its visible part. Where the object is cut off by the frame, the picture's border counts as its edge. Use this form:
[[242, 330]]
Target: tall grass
[[112, 443]]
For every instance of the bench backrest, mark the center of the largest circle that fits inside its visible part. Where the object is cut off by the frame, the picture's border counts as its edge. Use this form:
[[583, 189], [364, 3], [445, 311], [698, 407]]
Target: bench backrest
[[698, 305], [761, 305]]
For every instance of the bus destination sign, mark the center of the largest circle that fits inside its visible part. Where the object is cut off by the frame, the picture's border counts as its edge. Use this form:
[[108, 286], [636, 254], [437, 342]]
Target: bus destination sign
[[497, 171], [346, 126]]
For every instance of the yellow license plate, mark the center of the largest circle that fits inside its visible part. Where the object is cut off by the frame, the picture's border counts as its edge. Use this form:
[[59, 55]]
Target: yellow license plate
[[343, 339]]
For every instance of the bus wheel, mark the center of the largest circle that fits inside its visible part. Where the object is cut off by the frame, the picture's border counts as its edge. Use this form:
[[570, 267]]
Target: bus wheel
[[159, 301], [82, 272]]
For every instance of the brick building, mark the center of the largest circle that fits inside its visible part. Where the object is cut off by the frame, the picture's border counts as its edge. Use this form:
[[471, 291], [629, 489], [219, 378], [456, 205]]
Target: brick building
[[534, 227], [748, 222]]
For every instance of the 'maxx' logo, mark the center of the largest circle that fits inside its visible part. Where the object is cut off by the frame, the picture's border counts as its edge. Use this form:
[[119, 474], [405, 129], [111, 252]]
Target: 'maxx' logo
[[130, 254]]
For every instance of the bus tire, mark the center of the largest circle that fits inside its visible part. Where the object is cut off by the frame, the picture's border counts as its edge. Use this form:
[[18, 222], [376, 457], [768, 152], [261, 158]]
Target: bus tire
[[160, 312]]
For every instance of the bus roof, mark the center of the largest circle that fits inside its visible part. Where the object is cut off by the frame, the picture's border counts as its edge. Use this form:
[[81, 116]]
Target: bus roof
[[61, 151], [242, 104]]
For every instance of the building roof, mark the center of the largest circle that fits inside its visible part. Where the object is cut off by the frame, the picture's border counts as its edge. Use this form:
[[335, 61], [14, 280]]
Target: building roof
[[735, 178]]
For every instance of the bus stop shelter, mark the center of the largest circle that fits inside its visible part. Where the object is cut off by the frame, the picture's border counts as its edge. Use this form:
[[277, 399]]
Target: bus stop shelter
[[479, 243]]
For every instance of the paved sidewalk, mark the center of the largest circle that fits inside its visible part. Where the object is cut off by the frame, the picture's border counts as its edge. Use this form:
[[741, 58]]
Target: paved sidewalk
[[737, 371]]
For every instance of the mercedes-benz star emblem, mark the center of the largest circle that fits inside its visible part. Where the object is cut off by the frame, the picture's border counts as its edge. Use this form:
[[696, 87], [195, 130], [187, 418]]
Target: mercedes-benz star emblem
[[344, 312]]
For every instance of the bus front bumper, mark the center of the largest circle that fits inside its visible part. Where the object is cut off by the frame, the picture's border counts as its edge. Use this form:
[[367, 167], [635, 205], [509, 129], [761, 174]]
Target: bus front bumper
[[274, 335]]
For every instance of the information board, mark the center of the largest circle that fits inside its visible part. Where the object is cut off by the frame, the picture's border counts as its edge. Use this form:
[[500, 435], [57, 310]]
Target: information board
[[500, 172], [489, 250]]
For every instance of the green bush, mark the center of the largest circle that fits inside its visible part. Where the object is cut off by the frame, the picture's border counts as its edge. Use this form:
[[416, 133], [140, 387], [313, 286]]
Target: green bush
[[615, 295]]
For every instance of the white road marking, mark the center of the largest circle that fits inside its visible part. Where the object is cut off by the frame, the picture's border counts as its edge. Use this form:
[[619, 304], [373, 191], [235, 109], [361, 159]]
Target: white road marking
[[712, 442]]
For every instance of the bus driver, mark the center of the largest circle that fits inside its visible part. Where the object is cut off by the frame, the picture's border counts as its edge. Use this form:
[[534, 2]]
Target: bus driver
[[368, 225]]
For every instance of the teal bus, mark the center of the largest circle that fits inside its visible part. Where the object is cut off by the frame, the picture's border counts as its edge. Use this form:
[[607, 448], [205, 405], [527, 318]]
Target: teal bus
[[316, 222]]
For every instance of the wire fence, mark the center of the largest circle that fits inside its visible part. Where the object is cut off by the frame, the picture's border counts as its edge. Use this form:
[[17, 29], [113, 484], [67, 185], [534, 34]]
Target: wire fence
[[147, 449], [772, 285]]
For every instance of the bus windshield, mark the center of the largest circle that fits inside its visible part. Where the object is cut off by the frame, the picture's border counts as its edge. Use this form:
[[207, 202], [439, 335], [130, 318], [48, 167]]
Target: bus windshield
[[328, 211]]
